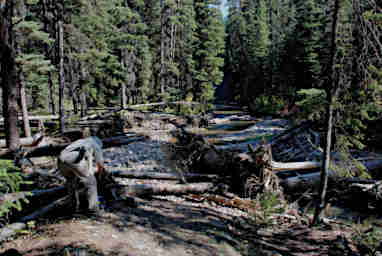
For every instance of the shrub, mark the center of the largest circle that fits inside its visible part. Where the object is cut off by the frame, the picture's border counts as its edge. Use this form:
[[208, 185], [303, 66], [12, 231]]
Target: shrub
[[10, 182]]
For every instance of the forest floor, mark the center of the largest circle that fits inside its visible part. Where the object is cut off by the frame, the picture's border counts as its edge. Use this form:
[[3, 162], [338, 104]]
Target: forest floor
[[175, 225]]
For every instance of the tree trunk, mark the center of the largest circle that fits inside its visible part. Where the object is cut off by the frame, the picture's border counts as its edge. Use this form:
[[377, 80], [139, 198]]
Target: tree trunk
[[27, 128], [123, 96], [331, 92], [9, 76], [46, 49], [61, 67], [83, 101]]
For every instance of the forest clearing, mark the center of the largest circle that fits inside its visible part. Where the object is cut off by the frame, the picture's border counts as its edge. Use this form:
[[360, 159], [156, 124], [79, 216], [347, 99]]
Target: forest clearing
[[190, 127]]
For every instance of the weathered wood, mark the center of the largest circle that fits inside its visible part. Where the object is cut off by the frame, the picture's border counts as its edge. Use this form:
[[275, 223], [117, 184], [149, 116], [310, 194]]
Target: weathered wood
[[33, 118], [162, 176], [164, 189], [11, 230], [313, 179], [28, 141], [55, 149]]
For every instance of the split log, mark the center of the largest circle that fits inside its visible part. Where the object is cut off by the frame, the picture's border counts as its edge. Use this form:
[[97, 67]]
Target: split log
[[163, 176], [164, 189], [11, 230]]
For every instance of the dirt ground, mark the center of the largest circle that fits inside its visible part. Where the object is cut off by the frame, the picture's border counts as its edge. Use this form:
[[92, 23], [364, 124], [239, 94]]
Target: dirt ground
[[167, 227]]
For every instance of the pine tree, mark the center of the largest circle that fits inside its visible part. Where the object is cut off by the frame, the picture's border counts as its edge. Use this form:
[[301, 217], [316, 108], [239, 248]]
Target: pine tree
[[307, 45], [208, 55]]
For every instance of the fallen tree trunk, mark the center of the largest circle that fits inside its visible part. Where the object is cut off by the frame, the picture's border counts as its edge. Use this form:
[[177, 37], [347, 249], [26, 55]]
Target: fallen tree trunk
[[32, 195], [28, 141], [33, 118], [124, 192], [55, 149], [313, 179], [164, 189], [62, 202], [163, 176]]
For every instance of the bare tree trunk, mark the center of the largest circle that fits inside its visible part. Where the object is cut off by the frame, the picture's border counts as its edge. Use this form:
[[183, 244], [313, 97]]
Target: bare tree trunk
[[52, 100], [83, 102], [331, 92], [9, 76], [27, 128], [46, 49], [61, 67]]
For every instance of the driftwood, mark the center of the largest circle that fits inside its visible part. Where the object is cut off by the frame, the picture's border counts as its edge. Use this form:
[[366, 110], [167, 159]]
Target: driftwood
[[190, 177]]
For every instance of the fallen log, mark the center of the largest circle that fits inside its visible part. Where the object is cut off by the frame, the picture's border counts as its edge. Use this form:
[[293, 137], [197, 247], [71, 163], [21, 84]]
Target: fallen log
[[55, 149], [11, 230], [32, 118], [124, 192], [163, 176], [163, 189], [313, 179], [31, 195], [62, 202], [28, 141]]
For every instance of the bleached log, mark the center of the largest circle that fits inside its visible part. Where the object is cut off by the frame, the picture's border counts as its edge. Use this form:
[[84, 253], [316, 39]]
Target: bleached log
[[162, 176], [164, 189]]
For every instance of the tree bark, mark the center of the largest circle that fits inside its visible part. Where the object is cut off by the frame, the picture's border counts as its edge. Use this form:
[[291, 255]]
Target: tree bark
[[27, 128], [331, 92], [9, 76], [61, 66]]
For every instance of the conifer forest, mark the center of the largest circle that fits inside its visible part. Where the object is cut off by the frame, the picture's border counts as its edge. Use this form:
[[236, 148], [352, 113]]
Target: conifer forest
[[289, 88]]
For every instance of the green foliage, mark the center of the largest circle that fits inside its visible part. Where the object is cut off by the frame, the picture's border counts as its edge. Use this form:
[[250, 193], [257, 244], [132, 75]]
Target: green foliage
[[267, 105], [268, 204], [312, 103], [368, 241], [10, 181]]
